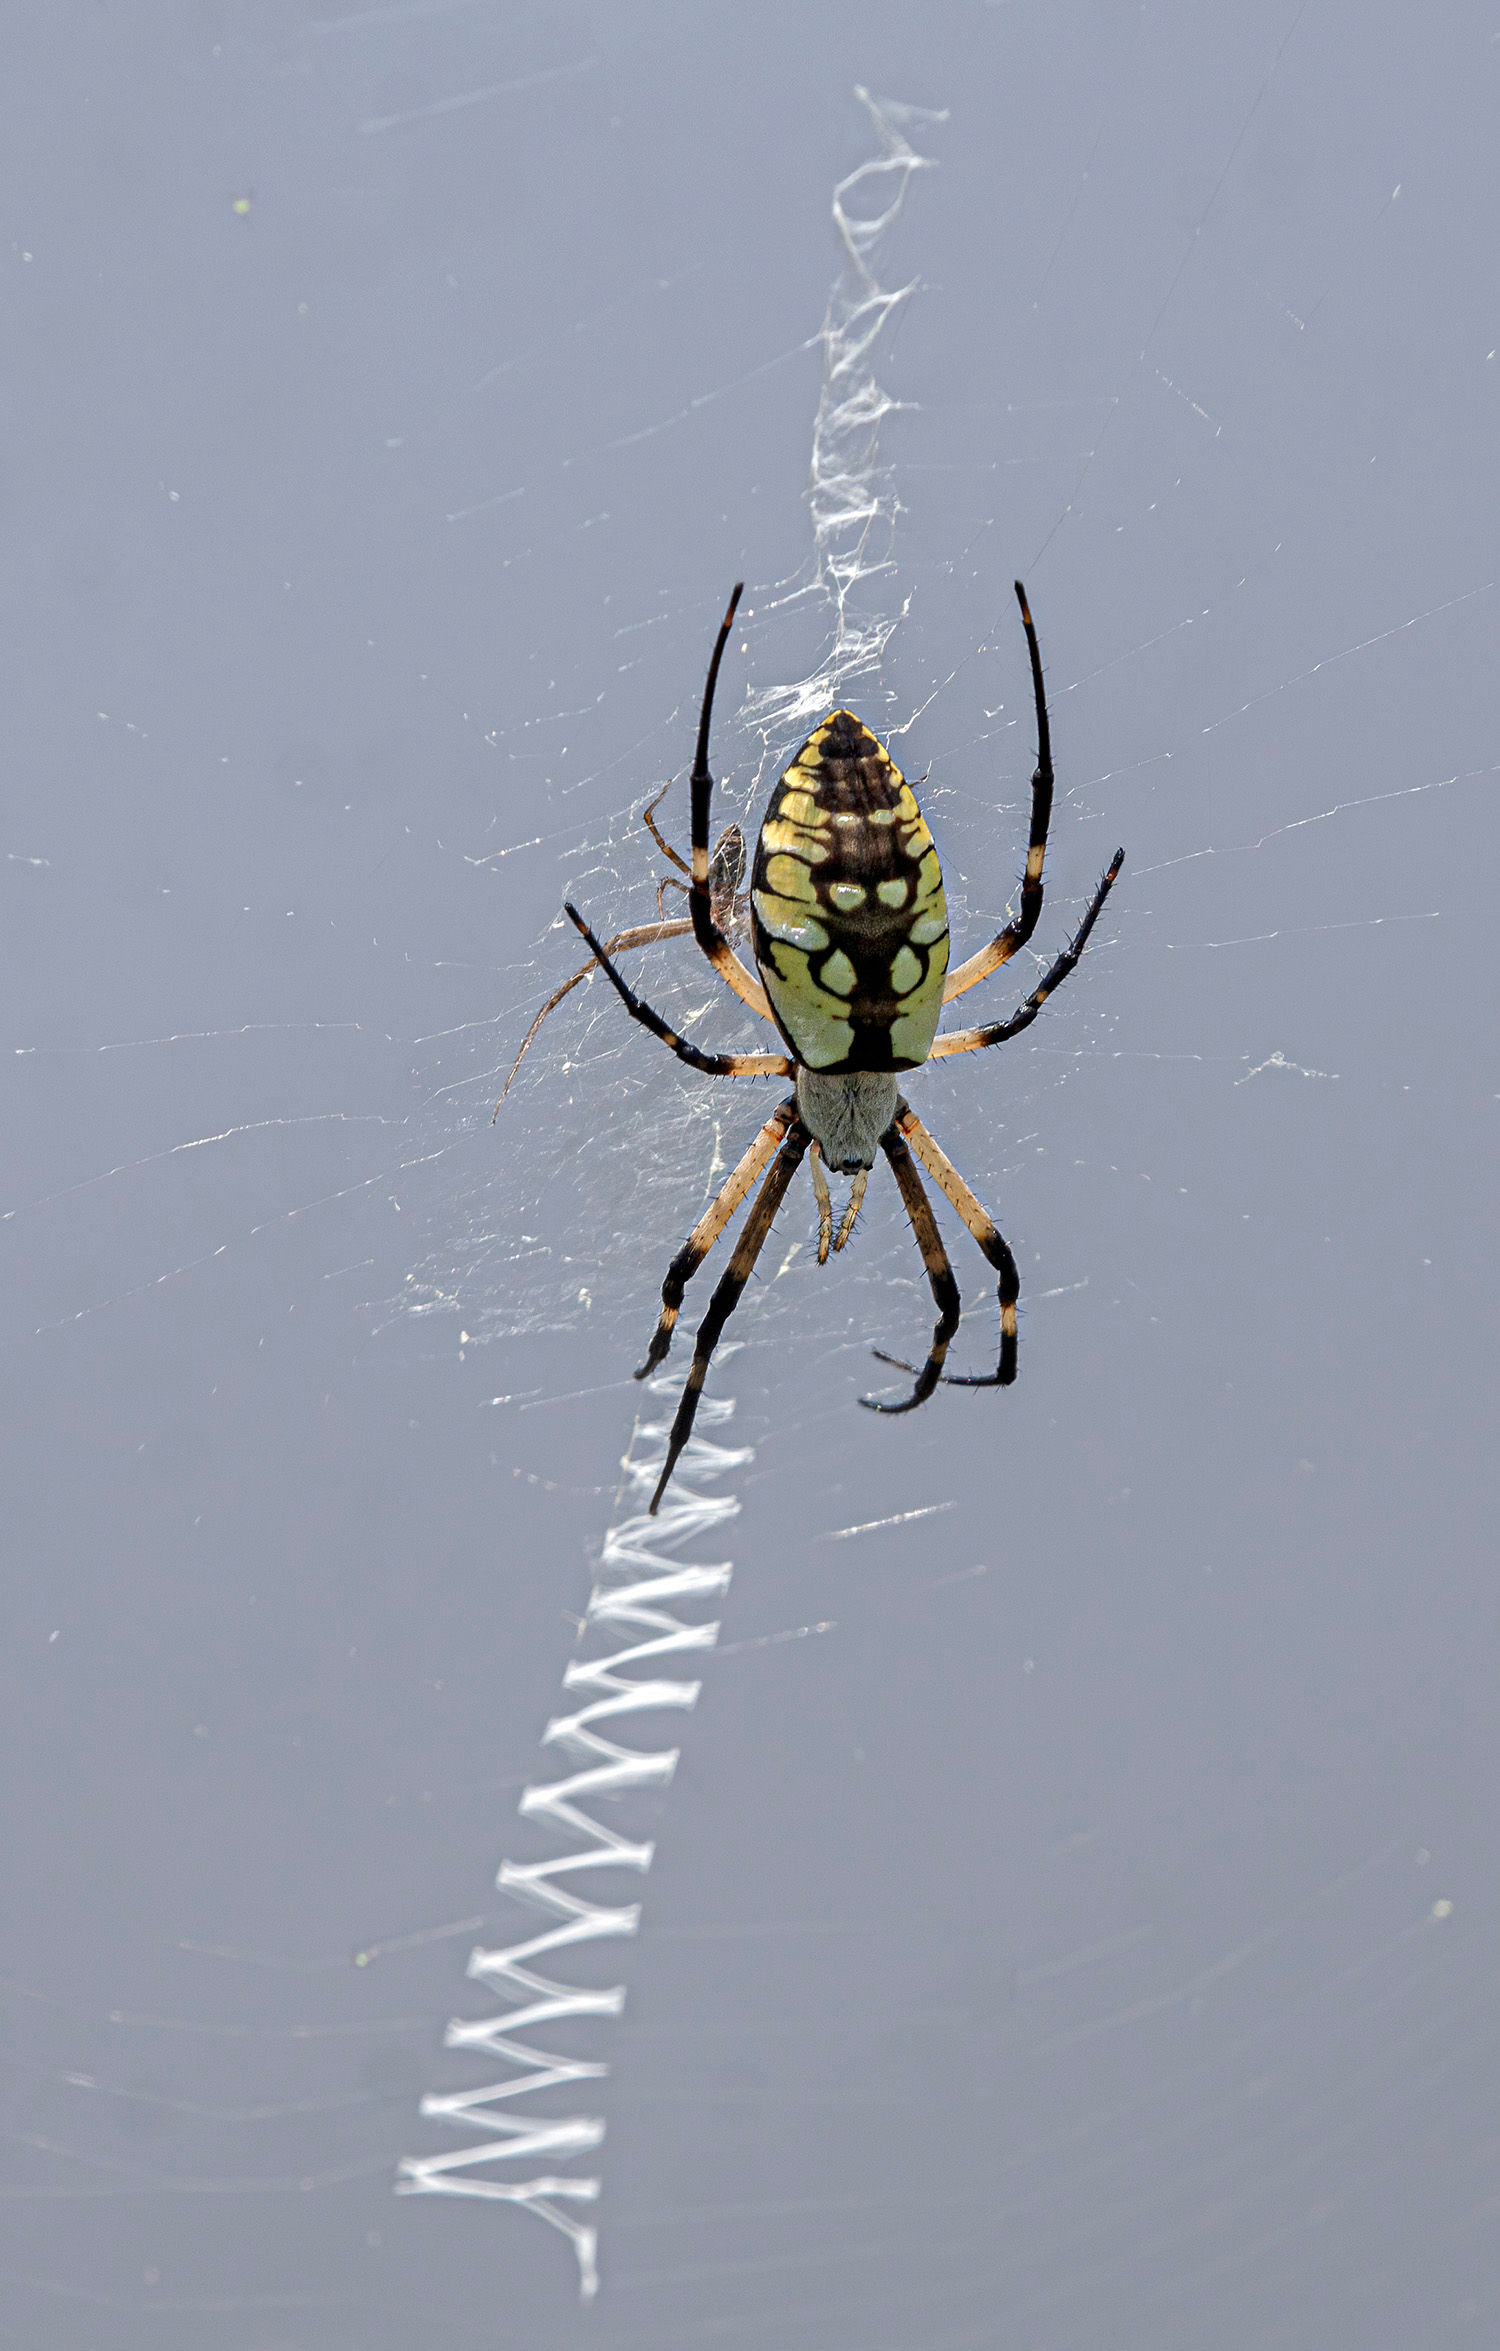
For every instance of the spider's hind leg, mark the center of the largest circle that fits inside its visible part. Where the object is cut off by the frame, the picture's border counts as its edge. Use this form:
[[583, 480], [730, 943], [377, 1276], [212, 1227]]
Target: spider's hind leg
[[990, 1239], [707, 1230], [727, 1296], [939, 1272]]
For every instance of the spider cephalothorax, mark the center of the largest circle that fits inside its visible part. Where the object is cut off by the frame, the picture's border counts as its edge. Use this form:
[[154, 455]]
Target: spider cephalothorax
[[849, 925]]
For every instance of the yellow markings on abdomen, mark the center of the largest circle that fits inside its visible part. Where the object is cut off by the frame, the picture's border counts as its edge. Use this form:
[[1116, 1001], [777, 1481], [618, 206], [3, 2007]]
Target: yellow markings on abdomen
[[777, 834], [801, 808], [918, 982], [815, 1020], [911, 1038], [906, 970], [850, 919], [786, 897], [786, 918], [788, 877]]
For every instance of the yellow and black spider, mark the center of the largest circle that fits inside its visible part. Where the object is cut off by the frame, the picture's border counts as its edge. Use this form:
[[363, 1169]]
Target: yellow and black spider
[[850, 930]]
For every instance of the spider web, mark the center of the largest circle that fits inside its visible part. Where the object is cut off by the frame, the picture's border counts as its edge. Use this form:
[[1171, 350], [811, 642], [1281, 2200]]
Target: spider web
[[644, 1142], [643, 1585], [1286, 770], [647, 1144]]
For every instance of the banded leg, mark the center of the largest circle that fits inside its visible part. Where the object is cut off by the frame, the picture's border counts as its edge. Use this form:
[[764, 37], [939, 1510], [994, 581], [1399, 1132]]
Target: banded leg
[[726, 871], [700, 898], [648, 818], [644, 935], [727, 1296], [996, 1031], [726, 867], [1015, 934], [707, 1230], [990, 1239], [939, 1274], [714, 1065]]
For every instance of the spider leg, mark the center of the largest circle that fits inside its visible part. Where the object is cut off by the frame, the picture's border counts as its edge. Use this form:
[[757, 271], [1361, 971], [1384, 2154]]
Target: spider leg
[[939, 1274], [706, 928], [996, 1031], [824, 1199], [726, 871], [648, 814], [1015, 934], [852, 1207], [826, 1237], [707, 1230], [989, 1237], [645, 936], [714, 1065], [726, 867], [727, 1296]]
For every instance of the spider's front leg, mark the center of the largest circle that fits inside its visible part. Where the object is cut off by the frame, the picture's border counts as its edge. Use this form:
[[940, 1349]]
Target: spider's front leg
[[999, 1032], [706, 926], [713, 1065], [1015, 934]]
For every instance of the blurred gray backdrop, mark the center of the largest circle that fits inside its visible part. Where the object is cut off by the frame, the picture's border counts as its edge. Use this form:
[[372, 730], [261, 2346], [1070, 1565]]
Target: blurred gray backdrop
[[1083, 1931]]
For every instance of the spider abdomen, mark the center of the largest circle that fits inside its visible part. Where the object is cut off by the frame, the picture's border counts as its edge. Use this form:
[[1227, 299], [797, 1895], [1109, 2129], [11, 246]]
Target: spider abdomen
[[849, 918]]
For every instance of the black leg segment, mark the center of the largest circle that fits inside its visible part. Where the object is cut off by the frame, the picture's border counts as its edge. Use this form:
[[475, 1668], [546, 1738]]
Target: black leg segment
[[727, 1296], [939, 1274]]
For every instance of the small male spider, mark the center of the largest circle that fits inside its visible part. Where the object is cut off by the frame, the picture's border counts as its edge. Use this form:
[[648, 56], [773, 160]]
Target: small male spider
[[726, 871], [849, 925]]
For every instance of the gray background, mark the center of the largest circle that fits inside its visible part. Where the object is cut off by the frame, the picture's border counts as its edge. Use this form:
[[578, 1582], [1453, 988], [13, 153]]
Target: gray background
[[1092, 1938]]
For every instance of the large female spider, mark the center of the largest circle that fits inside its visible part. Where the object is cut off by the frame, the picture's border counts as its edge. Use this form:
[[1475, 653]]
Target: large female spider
[[850, 932]]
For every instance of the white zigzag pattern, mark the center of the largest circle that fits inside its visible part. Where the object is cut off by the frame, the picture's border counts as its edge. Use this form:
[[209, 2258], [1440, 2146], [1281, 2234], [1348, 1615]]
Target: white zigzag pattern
[[637, 1590], [854, 508]]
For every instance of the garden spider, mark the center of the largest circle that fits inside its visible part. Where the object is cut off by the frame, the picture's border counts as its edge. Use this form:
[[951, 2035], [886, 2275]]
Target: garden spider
[[850, 931]]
